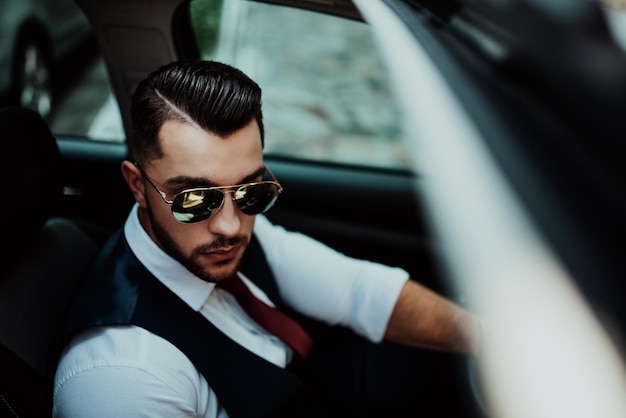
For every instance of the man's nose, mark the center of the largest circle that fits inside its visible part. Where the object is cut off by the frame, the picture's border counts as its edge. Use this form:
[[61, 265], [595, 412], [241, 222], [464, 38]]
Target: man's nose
[[226, 221]]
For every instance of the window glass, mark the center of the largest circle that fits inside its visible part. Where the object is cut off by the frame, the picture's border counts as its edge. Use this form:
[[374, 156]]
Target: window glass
[[325, 90], [326, 95], [87, 108], [49, 61]]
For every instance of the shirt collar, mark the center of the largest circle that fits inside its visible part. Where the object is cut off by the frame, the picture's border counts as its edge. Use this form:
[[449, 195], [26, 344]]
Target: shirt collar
[[190, 288]]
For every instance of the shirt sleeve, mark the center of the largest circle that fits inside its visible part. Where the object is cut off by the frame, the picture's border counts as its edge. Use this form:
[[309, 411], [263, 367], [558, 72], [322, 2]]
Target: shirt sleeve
[[125, 371], [122, 392], [329, 286]]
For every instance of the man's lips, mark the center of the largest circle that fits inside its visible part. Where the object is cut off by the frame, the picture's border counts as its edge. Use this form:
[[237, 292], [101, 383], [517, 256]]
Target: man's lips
[[222, 254]]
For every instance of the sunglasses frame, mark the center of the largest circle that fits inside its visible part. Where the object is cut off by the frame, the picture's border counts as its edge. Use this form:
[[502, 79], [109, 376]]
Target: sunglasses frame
[[229, 189]]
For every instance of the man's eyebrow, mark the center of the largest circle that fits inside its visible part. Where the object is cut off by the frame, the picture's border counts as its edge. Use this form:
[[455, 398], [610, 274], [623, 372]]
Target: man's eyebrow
[[188, 181]]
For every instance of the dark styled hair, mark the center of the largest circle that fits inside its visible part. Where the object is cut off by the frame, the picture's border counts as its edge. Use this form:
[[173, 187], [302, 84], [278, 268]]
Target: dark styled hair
[[217, 97]]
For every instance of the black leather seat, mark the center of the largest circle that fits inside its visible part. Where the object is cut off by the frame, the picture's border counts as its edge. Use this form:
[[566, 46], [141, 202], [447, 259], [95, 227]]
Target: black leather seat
[[42, 259]]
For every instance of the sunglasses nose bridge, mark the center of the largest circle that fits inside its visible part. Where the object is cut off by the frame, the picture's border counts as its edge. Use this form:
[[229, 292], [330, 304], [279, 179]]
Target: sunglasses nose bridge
[[232, 192], [227, 193]]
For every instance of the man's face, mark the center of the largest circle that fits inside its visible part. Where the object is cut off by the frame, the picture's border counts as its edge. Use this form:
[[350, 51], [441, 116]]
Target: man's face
[[211, 249]]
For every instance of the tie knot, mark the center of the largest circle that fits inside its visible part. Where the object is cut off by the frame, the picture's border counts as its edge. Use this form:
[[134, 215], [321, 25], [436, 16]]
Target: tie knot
[[233, 285]]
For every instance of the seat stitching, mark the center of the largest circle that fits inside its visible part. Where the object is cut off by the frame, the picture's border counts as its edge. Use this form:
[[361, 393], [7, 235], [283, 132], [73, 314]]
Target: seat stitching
[[8, 406]]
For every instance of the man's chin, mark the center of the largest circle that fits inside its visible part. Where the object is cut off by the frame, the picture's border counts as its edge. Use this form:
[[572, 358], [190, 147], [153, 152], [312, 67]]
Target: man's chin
[[213, 266], [214, 272]]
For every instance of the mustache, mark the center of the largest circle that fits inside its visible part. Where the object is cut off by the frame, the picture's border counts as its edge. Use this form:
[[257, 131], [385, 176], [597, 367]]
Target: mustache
[[222, 242]]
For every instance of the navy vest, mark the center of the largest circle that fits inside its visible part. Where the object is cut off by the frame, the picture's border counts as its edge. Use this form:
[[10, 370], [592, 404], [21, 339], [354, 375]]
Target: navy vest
[[120, 290]]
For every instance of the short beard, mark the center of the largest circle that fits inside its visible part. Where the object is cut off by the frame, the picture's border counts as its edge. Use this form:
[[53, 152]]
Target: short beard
[[171, 248]]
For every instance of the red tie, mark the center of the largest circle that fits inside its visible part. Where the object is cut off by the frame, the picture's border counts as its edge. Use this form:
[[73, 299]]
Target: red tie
[[273, 320]]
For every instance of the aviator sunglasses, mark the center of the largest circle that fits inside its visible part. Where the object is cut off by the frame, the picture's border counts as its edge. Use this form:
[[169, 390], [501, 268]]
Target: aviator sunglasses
[[200, 203]]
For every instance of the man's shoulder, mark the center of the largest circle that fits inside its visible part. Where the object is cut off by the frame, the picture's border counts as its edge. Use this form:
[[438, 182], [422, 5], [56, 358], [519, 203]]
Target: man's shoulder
[[119, 349], [115, 370], [115, 343]]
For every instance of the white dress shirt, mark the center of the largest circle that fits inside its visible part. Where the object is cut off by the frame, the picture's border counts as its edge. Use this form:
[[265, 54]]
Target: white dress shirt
[[126, 371]]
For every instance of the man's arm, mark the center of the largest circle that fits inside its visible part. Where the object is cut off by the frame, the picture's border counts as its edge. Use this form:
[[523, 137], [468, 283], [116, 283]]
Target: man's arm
[[422, 318]]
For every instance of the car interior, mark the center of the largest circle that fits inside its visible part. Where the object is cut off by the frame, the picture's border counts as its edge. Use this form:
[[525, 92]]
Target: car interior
[[524, 86], [363, 212]]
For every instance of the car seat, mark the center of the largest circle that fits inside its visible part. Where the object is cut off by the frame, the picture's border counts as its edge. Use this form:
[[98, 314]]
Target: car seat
[[42, 259]]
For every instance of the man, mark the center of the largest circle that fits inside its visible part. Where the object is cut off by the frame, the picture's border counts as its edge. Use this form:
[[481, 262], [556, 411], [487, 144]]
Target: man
[[158, 329]]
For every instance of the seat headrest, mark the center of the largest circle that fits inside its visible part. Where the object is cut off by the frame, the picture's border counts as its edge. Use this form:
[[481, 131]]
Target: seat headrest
[[31, 174]]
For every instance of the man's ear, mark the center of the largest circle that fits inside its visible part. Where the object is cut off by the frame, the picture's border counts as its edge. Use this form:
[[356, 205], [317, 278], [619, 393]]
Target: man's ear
[[135, 182]]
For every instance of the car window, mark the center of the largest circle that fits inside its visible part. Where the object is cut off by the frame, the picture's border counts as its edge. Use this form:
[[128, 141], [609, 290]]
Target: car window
[[326, 92], [50, 62], [87, 108], [326, 95]]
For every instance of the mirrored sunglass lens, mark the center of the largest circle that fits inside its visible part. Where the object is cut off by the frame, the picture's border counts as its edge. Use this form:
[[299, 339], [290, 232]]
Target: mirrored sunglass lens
[[196, 206], [256, 198]]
